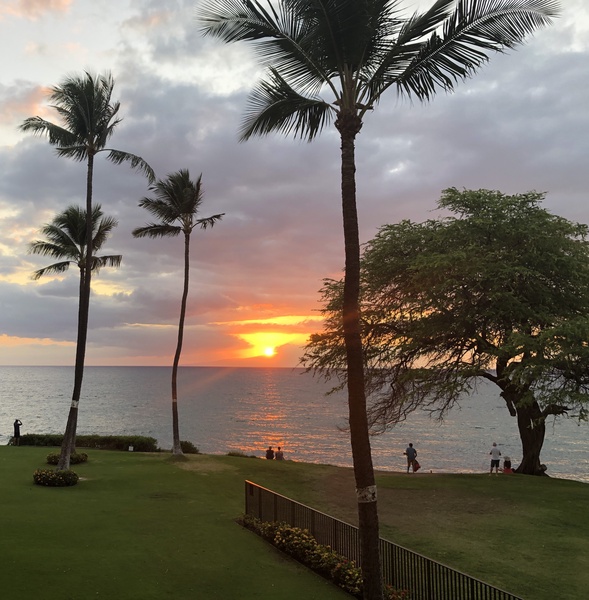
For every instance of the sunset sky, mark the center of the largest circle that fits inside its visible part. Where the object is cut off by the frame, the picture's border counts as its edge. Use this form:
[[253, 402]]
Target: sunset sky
[[521, 123]]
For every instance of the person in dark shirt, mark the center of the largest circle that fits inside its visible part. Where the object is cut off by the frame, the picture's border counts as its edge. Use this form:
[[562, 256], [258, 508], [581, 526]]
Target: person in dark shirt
[[411, 454], [269, 453], [16, 438]]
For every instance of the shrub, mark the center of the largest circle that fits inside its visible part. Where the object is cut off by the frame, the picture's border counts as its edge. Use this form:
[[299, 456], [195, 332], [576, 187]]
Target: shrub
[[188, 447], [75, 458], [301, 545], [241, 454], [51, 478]]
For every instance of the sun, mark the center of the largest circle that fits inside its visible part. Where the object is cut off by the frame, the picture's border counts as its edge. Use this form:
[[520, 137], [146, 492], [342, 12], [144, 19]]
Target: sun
[[269, 351]]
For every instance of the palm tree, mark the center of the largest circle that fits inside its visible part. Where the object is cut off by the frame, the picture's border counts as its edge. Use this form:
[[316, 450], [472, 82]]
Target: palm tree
[[352, 52], [65, 240], [89, 118], [176, 205]]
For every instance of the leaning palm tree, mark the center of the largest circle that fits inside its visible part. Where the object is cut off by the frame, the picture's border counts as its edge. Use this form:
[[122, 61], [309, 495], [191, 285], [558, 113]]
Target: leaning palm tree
[[332, 60], [176, 205], [65, 240], [88, 119]]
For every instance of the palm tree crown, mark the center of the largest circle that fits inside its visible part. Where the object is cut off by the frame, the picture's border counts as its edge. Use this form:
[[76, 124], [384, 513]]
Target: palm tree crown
[[89, 118], [176, 204], [357, 49], [66, 241]]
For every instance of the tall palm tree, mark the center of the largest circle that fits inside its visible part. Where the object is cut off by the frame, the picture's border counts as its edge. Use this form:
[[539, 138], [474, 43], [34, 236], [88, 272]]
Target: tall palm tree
[[88, 120], [176, 205], [332, 60]]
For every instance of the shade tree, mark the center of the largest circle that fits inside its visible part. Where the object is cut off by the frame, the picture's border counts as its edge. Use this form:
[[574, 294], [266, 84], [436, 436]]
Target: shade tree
[[497, 291]]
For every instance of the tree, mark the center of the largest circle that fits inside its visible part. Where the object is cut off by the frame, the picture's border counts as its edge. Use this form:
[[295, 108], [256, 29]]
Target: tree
[[354, 51], [89, 118], [176, 204], [499, 291]]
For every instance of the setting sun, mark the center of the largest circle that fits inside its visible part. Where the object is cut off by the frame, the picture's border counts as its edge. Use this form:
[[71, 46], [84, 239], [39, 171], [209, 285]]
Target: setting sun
[[269, 351]]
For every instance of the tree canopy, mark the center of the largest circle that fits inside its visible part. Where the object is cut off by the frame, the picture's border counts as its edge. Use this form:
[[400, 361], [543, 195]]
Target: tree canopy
[[498, 290]]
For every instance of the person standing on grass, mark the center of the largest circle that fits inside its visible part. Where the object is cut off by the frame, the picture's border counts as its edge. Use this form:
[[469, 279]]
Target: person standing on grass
[[411, 454], [16, 437], [495, 454]]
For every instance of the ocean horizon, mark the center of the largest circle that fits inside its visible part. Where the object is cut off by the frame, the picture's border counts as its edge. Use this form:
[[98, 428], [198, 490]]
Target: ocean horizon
[[247, 409]]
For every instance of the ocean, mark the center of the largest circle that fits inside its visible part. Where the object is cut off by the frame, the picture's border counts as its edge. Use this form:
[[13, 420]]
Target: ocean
[[248, 409]]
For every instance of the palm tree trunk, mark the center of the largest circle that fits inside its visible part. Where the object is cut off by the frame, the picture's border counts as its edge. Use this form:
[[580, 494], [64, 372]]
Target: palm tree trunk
[[69, 439], [349, 126], [176, 448]]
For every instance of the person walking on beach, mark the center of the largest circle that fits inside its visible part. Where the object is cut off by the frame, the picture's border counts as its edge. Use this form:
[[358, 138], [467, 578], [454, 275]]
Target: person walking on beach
[[16, 437], [495, 454], [269, 453], [411, 454], [279, 454]]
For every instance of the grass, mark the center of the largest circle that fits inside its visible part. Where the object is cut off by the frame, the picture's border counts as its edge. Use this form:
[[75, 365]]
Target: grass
[[139, 527]]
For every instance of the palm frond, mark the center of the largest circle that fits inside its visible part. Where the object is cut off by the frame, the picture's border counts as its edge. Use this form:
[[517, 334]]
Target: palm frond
[[52, 249], [282, 37], [156, 230], [209, 221], [238, 20], [118, 157], [58, 136], [275, 106], [54, 269], [474, 29], [113, 260]]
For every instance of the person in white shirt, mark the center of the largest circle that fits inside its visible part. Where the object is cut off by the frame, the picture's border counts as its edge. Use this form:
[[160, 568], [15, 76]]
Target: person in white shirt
[[495, 454]]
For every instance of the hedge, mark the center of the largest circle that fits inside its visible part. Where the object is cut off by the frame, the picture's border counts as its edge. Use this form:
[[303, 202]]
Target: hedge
[[105, 442]]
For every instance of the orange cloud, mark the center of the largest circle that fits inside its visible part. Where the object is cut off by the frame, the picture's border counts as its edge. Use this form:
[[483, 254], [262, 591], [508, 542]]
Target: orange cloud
[[270, 338], [266, 343], [9, 341], [33, 9]]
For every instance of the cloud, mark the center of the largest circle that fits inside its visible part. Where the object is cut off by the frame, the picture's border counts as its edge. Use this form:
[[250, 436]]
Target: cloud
[[33, 9]]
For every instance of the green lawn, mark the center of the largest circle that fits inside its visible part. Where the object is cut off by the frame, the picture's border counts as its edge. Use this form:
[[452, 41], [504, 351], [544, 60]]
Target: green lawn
[[139, 527]]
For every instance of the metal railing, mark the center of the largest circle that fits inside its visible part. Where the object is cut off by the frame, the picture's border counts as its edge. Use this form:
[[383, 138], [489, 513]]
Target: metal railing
[[401, 568]]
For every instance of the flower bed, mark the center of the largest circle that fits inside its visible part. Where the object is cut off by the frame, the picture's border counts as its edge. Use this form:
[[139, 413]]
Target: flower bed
[[51, 478], [302, 546]]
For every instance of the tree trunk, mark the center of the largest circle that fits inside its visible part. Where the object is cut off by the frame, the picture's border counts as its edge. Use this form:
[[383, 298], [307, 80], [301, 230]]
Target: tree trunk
[[349, 125], [176, 447], [69, 439], [532, 429]]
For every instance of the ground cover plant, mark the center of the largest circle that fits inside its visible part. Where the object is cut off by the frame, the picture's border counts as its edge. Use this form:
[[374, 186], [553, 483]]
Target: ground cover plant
[[139, 527]]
